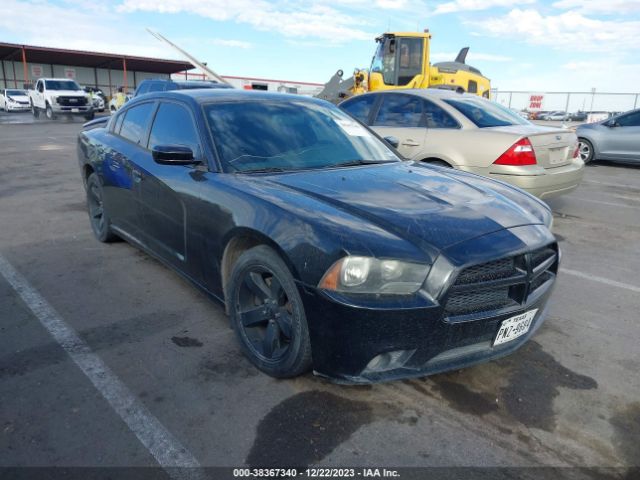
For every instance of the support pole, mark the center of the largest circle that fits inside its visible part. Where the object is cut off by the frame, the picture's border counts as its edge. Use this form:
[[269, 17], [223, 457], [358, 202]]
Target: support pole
[[566, 106], [24, 67], [635, 102], [510, 96], [124, 66], [110, 84], [15, 78], [4, 76]]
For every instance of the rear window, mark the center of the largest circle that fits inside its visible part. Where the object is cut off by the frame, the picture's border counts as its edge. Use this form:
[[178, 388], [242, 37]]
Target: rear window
[[485, 113]]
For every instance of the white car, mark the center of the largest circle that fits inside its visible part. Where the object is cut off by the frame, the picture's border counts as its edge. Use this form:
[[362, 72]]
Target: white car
[[14, 100]]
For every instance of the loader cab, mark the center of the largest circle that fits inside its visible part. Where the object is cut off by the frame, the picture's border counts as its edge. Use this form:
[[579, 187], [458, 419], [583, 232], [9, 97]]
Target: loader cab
[[401, 61]]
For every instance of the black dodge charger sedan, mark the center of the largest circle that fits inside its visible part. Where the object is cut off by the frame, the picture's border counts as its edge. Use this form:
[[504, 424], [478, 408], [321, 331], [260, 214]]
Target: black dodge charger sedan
[[328, 250]]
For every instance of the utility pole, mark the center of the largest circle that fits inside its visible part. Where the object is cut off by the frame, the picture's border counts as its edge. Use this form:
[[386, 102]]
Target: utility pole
[[593, 95]]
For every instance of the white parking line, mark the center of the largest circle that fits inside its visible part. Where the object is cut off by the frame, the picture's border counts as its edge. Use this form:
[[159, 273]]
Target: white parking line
[[595, 278], [165, 448], [611, 204]]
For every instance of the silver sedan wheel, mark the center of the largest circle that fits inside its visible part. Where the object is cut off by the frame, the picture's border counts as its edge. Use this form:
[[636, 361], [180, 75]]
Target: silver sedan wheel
[[584, 149]]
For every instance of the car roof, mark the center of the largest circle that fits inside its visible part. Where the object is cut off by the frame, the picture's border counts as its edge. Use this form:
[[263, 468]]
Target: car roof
[[214, 95], [429, 93]]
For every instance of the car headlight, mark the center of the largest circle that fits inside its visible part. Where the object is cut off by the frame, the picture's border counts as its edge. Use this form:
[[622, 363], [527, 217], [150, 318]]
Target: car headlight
[[354, 274], [54, 99], [10, 99]]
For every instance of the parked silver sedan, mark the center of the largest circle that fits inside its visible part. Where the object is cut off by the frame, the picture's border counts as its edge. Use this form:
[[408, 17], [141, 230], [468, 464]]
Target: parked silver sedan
[[475, 135], [616, 139]]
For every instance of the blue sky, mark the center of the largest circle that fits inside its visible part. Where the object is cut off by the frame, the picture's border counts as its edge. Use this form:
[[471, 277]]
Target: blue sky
[[519, 44]]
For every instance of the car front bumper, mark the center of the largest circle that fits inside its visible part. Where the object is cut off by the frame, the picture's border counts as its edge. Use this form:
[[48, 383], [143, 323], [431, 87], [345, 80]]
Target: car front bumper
[[17, 107], [72, 110], [348, 339], [551, 183]]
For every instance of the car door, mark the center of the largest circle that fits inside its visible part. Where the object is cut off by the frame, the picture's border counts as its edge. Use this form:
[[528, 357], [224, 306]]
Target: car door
[[400, 115], [120, 173], [2, 99], [622, 138], [38, 94], [168, 193]]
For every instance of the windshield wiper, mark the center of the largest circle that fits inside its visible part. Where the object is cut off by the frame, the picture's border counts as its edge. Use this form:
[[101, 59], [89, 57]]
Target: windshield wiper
[[262, 170], [354, 163]]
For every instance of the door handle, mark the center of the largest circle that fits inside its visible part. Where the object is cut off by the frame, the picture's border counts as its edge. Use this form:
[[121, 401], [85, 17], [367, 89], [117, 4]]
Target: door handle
[[137, 176], [113, 165], [410, 143]]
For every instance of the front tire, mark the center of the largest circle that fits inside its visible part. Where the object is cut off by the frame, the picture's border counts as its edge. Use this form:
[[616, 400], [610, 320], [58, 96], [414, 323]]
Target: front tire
[[267, 314], [585, 150], [49, 112], [90, 116], [99, 219]]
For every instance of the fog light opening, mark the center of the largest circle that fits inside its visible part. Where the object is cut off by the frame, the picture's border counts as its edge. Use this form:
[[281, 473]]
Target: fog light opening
[[388, 361]]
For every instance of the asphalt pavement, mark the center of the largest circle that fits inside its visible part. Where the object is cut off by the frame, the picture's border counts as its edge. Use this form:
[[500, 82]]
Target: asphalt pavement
[[162, 359]]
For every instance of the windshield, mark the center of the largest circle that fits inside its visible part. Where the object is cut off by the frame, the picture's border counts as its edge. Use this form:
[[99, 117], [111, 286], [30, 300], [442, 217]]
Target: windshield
[[485, 113], [16, 92], [61, 85], [292, 135]]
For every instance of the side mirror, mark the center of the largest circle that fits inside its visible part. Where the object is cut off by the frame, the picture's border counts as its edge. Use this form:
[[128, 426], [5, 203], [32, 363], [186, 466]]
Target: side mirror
[[393, 141], [612, 124], [173, 155]]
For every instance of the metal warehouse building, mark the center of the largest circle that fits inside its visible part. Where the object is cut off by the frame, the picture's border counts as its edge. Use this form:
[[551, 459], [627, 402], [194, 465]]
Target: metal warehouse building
[[21, 65]]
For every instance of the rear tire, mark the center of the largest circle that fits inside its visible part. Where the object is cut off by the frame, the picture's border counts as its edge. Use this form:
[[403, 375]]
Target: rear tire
[[267, 314], [100, 223], [35, 111], [585, 150]]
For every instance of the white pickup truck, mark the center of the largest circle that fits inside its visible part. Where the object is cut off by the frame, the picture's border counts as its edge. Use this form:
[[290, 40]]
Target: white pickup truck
[[59, 96]]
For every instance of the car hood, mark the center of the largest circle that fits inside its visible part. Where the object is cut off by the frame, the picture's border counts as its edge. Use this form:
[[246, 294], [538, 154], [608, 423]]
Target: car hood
[[416, 202], [68, 93], [19, 98]]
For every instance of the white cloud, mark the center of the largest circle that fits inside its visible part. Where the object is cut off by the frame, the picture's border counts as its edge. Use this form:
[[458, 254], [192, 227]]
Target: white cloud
[[567, 31], [291, 19], [83, 29], [475, 5], [600, 6], [223, 42]]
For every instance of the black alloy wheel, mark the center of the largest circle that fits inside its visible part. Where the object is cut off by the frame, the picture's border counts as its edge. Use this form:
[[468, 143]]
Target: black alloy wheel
[[268, 315], [97, 215]]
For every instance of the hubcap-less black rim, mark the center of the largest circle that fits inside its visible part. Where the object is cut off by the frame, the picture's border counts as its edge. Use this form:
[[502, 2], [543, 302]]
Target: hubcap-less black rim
[[96, 210], [265, 314]]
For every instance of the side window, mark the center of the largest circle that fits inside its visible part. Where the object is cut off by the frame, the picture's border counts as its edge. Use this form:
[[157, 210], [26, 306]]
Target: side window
[[399, 110], [40, 86], [143, 88], [360, 107], [173, 125], [409, 59], [118, 124], [156, 87], [135, 122], [473, 86], [630, 120], [436, 117]]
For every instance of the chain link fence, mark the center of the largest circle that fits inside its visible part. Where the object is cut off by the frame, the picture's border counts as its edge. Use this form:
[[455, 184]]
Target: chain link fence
[[569, 101]]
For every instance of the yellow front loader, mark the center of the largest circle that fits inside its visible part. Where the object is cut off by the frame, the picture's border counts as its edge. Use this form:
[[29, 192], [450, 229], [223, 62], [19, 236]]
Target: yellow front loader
[[402, 60]]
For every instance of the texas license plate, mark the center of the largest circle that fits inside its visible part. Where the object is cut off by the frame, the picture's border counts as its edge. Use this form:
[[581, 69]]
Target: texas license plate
[[75, 110], [557, 156], [514, 327]]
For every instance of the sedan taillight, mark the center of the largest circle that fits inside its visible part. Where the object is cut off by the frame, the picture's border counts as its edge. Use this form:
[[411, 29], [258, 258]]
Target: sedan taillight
[[576, 152], [521, 153]]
